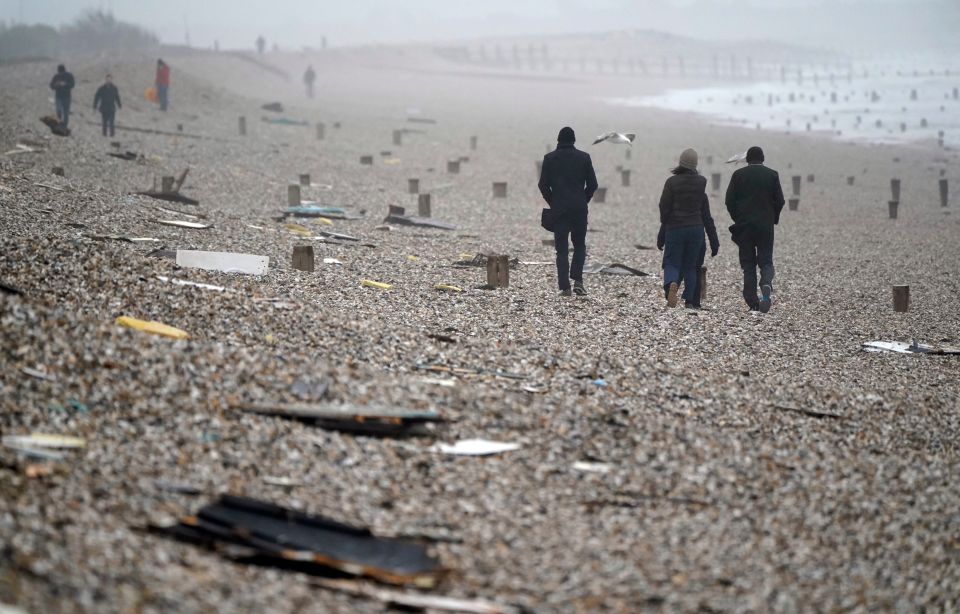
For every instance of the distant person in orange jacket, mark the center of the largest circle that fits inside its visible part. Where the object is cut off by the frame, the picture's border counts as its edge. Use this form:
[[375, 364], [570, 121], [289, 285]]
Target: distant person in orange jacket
[[163, 83]]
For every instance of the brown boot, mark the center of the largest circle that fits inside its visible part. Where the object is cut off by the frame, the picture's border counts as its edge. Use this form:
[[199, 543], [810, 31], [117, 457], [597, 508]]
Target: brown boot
[[672, 290]]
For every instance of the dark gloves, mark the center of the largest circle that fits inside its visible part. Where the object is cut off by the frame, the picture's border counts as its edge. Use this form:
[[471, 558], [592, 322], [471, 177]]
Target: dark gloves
[[661, 238], [714, 249]]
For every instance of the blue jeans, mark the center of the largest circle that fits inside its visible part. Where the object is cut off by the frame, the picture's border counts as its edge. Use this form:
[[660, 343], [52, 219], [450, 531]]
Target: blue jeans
[[574, 226], [680, 256], [63, 110], [162, 96]]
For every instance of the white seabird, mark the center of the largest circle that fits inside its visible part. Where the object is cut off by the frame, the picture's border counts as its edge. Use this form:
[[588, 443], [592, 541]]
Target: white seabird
[[737, 159], [621, 138]]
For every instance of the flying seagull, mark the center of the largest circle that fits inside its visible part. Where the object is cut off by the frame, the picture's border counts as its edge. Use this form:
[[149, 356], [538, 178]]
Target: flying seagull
[[737, 159], [617, 137]]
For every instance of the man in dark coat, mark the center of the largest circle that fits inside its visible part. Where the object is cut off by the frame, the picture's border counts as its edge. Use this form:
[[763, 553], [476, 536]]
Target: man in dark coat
[[567, 183], [754, 200], [62, 85], [107, 101]]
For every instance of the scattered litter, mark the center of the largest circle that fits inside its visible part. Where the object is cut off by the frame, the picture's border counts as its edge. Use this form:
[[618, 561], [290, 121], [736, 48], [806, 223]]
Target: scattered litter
[[590, 467], [285, 121], [414, 602], [281, 481], [808, 412], [535, 389], [38, 374], [154, 328], [43, 440], [184, 224], [326, 234], [22, 149], [107, 238], [183, 282], [10, 289], [475, 447], [480, 260], [129, 156], [49, 187], [191, 216], [397, 215], [275, 107], [331, 261], [641, 246], [315, 211], [614, 269], [443, 338], [434, 381], [363, 420], [144, 240], [375, 284], [33, 471], [181, 488], [902, 347], [299, 230], [267, 533], [225, 262], [441, 368], [600, 382], [448, 288]]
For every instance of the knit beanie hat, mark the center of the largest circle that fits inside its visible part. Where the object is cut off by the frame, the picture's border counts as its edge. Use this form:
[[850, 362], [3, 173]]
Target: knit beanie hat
[[754, 155], [688, 159], [566, 135]]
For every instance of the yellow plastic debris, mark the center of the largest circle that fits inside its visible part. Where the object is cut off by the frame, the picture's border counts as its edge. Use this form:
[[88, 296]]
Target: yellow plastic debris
[[375, 284], [324, 221], [392, 161], [43, 440], [464, 256], [297, 229], [412, 258], [154, 328], [448, 288]]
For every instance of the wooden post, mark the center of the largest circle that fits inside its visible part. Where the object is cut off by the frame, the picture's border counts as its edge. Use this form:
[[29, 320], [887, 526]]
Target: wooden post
[[179, 127], [453, 166], [58, 170], [305, 179], [895, 189], [499, 189], [892, 205], [944, 193], [600, 196], [166, 183], [492, 279], [796, 184], [901, 299], [473, 143], [242, 125], [398, 137], [625, 177], [303, 258], [810, 178], [366, 160], [715, 179], [413, 186], [709, 160], [794, 204], [503, 271], [293, 195], [628, 152], [423, 205], [703, 283], [321, 131], [850, 179]]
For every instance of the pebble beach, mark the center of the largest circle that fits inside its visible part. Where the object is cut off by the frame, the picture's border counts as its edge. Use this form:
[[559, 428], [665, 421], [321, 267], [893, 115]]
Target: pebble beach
[[669, 460]]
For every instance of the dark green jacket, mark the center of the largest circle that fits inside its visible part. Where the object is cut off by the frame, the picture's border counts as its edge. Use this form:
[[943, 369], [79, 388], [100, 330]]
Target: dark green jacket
[[754, 196]]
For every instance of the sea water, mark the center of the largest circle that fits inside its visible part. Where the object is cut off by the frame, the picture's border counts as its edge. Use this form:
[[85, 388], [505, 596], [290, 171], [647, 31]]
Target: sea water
[[869, 105]]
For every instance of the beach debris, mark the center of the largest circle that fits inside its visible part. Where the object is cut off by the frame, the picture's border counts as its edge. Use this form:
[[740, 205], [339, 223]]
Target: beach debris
[[258, 531], [331, 261], [183, 282], [442, 368], [475, 447], [55, 126], [274, 107], [480, 260], [184, 224], [22, 148], [274, 480], [397, 215], [614, 269], [189, 216], [285, 121], [180, 488], [808, 412], [414, 601], [152, 327], [8, 288], [375, 284], [617, 138], [592, 467], [298, 229], [44, 440], [37, 373], [379, 421], [914, 347], [225, 262], [448, 288], [130, 156]]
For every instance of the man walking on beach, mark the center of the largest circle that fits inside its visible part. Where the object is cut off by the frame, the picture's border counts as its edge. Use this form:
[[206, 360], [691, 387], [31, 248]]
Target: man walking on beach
[[62, 85], [308, 78], [163, 84], [567, 183], [754, 200], [107, 101]]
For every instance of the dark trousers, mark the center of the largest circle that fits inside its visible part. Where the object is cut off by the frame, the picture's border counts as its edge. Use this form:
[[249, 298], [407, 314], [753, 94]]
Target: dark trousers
[[63, 110], [107, 117], [572, 225], [162, 91], [680, 256], [756, 250]]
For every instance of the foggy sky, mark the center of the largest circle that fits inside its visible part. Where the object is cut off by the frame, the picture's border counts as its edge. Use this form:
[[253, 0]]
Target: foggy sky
[[849, 25]]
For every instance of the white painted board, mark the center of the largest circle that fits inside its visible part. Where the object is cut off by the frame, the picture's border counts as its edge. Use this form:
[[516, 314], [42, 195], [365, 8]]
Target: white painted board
[[226, 262]]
